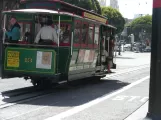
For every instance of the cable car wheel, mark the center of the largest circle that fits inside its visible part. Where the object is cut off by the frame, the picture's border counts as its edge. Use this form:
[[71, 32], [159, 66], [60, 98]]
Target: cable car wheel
[[41, 82]]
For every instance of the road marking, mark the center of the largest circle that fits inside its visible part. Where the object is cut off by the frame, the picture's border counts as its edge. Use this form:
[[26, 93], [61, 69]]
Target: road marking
[[133, 98], [130, 98], [80, 108], [120, 98], [144, 99]]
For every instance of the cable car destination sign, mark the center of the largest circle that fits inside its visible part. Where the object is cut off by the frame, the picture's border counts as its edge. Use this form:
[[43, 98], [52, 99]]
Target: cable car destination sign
[[90, 16]]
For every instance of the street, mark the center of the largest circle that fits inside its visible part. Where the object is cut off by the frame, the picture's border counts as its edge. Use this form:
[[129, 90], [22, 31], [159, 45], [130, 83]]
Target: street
[[115, 97]]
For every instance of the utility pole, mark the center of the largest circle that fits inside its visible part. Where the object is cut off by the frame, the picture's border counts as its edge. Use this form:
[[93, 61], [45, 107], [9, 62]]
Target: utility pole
[[120, 45], [154, 110], [119, 48]]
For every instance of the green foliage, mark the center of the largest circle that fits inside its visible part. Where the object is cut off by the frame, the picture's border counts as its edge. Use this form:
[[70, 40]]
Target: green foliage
[[114, 18], [86, 4], [93, 5], [98, 7], [142, 26], [142, 23]]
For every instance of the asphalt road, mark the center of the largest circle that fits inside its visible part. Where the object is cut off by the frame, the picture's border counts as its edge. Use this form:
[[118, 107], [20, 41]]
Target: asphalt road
[[113, 98]]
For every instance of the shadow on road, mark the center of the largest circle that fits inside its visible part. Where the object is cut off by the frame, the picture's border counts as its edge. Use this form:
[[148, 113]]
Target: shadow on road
[[79, 93]]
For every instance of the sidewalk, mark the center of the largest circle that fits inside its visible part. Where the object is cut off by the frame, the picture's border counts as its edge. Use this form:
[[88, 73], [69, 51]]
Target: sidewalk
[[139, 114], [131, 59]]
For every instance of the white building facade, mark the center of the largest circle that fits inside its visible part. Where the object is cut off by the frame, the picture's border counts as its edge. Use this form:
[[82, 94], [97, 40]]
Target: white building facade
[[114, 4], [102, 3], [138, 15]]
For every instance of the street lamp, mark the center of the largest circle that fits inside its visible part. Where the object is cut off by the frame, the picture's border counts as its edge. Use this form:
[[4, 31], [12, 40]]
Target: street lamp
[[116, 39], [119, 47]]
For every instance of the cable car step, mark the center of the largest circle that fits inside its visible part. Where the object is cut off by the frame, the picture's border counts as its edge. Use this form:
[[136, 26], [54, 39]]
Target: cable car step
[[101, 74]]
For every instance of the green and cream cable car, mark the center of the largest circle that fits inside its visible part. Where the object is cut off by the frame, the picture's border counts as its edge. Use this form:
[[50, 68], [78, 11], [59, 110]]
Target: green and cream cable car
[[84, 48]]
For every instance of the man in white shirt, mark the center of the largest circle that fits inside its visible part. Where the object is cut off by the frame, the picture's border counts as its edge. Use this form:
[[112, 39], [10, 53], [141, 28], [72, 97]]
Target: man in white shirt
[[47, 34]]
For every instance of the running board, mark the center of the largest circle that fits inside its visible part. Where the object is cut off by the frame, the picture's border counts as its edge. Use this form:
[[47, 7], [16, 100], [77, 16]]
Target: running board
[[101, 74]]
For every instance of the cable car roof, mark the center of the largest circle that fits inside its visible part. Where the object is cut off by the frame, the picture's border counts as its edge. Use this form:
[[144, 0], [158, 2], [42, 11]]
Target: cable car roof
[[45, 11], [63, 3], [32, 11]]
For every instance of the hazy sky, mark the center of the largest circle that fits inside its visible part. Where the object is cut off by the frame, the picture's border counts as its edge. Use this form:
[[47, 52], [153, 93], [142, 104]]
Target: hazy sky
[[130, 7]]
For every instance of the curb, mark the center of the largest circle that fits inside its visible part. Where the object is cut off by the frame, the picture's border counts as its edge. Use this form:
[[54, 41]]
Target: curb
[[140, 113]]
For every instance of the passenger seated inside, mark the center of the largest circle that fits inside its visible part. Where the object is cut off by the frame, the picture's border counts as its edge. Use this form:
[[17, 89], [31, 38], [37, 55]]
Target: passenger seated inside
[[28, 36], [26, 39], [47, 35], [66, 35]]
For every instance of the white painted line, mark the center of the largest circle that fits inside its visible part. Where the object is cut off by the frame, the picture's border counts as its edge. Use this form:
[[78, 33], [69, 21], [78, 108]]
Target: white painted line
[[94, 102], [130, 98]]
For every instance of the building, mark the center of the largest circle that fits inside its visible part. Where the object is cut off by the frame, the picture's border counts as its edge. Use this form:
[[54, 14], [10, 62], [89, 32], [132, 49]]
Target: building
[[114, 4], [138, 15], [102, 3]]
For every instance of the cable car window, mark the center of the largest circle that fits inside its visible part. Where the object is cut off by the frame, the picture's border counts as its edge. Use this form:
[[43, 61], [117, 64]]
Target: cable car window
[[77, 32], [84, 33], [40, 21], [25, 32], [22, 34], [65, 33], [91, 34], [96, 35]]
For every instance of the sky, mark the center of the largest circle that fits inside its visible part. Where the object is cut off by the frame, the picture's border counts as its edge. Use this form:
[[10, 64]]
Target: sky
[[129, 8]]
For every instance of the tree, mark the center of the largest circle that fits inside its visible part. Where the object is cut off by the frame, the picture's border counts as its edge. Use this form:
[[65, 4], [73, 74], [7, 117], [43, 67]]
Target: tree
[[98, 7], [144, 22], [115, 18], [142, 27], [86, 4]]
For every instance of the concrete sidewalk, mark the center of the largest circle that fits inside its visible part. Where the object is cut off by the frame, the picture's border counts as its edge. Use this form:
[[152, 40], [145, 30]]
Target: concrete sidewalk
[[131, 59], [139, 114]]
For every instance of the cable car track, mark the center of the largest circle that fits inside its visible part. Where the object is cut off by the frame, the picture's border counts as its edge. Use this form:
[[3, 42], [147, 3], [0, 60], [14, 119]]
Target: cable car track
[[27, 96], [18, 91], [30, 94]]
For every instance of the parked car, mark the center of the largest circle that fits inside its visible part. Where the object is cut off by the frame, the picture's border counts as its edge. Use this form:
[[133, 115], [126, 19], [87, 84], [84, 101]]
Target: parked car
[[147, 50]]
